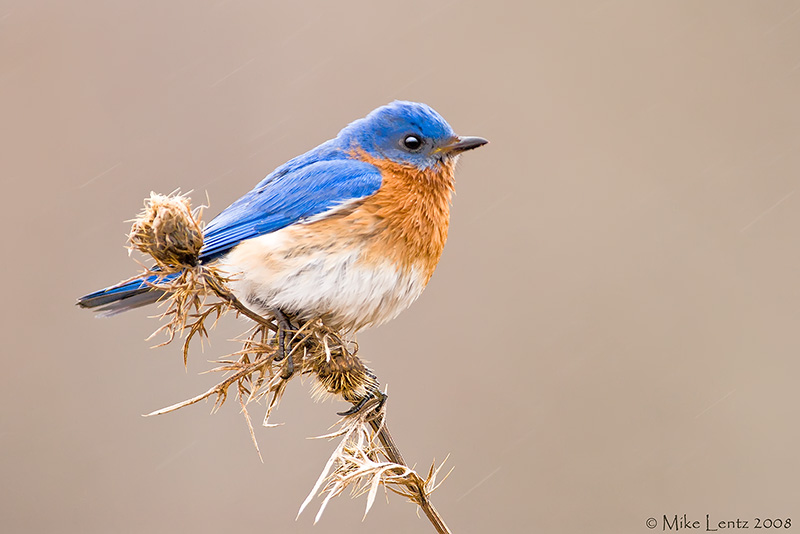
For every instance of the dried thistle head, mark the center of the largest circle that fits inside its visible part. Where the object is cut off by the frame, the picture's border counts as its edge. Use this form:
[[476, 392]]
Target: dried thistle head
[[337, 370], [168, 230]]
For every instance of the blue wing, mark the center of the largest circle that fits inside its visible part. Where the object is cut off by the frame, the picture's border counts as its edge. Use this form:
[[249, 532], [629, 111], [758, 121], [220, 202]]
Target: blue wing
[[290, 194]]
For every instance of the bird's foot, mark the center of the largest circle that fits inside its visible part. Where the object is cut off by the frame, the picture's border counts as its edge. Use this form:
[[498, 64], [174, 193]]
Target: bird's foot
[[376, 394], [284, 347]]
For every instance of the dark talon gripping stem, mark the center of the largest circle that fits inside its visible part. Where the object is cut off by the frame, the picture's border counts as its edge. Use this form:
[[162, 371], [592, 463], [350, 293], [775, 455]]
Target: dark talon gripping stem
[[284, 325], [369, 396]]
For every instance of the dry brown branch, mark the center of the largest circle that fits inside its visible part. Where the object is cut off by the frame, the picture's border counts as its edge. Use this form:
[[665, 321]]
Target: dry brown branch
[[195, 295]]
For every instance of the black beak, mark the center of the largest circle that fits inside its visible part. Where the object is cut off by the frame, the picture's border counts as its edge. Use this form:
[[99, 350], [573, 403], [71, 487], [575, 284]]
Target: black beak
[[462, 144]]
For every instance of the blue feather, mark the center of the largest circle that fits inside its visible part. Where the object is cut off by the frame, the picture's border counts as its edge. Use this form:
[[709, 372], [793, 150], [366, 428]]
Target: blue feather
[[125, 296]]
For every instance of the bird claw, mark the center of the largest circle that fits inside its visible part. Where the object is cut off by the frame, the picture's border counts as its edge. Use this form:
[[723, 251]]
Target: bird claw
[[369, 396]]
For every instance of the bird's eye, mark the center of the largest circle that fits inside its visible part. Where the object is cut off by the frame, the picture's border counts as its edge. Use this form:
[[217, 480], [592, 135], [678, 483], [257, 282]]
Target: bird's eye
[[412, 142]]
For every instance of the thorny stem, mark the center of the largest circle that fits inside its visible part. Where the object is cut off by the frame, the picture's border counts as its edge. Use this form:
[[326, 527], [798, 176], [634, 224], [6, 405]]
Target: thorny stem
[[378, 424], [394, 455]]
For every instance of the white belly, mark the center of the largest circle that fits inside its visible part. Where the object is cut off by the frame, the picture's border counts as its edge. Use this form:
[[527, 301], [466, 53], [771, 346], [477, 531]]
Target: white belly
[[325, 279]]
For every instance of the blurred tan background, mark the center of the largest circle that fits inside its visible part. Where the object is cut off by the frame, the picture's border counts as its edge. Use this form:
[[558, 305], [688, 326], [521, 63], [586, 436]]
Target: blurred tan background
[[612, 333]]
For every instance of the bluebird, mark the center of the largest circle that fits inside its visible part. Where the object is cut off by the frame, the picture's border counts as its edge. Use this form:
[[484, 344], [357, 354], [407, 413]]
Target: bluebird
[[349, 232]]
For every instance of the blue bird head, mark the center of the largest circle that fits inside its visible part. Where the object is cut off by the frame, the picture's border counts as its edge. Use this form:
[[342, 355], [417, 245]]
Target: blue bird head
[[407, 133]]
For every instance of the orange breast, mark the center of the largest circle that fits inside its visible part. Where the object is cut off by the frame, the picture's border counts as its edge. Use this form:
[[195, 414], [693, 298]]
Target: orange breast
[[405, 221], [412, 213]]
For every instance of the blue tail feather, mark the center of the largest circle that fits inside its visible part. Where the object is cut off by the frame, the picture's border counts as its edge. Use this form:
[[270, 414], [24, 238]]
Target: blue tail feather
[[125, 296]]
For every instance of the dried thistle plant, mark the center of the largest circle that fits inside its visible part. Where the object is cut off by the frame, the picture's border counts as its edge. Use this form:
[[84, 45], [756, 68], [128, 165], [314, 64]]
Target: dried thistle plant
[[170, 231]]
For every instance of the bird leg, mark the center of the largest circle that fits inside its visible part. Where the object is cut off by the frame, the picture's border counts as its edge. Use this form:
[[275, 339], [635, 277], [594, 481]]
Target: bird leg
[[284, 325]]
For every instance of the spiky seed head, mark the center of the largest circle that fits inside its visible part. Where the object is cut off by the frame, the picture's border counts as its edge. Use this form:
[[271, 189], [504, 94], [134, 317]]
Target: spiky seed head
[[344, 374], [168, 230]]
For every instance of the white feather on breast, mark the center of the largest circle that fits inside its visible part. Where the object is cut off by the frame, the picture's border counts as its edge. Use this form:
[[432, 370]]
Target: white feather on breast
[[328, 279]]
